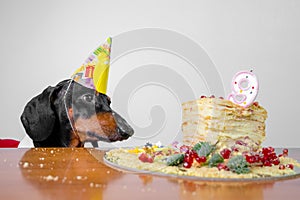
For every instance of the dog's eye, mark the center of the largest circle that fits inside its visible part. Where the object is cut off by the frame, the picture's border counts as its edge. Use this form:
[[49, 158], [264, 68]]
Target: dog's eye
[[88, 98]]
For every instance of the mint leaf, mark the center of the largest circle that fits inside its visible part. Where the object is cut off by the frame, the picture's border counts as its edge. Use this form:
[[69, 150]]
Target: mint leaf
[[203, 148], [215, 160], [238, 164], [175, 159]]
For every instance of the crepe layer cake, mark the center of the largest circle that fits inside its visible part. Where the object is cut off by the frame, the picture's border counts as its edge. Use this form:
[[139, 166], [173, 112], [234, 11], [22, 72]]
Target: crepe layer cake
[[224, 123]]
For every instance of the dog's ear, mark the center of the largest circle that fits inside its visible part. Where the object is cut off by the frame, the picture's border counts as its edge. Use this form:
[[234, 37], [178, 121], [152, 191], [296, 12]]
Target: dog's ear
[[38, 117]]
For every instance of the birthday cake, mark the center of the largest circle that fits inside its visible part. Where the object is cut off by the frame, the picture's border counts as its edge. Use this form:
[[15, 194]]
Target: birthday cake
[[221, 139], [222, 122]]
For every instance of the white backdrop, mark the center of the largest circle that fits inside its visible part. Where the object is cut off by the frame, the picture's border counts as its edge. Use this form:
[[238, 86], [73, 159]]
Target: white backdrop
[[43, 42]]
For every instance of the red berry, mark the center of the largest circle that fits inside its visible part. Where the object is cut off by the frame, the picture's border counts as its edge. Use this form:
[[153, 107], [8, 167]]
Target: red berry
[[212, 96], [222, 166], [225, 153], [255, 103], [267, 163], [271, 149], [201, 159], [188, 158], [281, 166], [247, 157], [285, 152], [235, 149], [272, 156], [291, 166], [265, 151], [250, 159], [187, 165], [276, 161], [203, 96], [193, 154], [221, 97]]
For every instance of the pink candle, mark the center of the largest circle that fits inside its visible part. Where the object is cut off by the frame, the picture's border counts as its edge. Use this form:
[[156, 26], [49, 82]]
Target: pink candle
[[244, 87]]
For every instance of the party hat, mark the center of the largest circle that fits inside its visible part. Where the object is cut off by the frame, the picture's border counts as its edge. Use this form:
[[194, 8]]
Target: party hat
[[93, 73]]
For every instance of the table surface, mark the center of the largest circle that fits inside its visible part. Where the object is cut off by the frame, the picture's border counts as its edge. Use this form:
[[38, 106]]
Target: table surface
[[79, 173]]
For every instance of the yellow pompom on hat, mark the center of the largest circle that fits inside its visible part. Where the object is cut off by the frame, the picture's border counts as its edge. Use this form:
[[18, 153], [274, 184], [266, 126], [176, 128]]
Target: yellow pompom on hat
[[93, 73]]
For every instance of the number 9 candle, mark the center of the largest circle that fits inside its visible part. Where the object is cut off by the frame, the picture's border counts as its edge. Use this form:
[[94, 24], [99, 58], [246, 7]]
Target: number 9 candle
[[244, 88]]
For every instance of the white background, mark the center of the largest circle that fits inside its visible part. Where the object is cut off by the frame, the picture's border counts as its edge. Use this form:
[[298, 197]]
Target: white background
[[43, 42]]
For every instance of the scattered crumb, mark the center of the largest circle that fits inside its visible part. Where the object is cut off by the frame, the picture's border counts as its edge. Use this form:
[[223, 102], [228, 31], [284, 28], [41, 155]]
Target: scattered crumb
[[51, 178], [81, 177], [25, 164], [98, 185]]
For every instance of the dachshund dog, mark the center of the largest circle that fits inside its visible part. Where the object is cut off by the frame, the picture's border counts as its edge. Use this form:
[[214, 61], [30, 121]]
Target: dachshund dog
[[69, 114]]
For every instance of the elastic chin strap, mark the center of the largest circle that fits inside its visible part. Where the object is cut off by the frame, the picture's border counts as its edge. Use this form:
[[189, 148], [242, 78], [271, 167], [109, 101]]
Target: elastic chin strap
[[70, 118], [70, 115]]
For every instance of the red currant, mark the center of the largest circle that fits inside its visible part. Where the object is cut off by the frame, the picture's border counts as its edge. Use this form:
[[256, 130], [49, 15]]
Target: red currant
[[285, 152], [276, 161], [201, 159], [193, 154], [265, 151], [271, 149], [281, 166], [291, 166], [225, 153], [188, 158], [250, 159], [203, 96], [235, 149], [267, 163], [222, 166], [187, 164], [212, 96]]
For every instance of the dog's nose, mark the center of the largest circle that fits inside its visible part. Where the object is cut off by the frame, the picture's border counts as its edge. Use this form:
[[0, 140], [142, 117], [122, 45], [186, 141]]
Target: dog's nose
[[124, 129]]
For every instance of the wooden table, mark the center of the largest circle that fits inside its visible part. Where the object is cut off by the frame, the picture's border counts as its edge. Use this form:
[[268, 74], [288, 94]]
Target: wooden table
[[67, 173]]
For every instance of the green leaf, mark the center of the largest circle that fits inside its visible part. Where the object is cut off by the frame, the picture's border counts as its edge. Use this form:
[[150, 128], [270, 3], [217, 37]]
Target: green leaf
[[238, 164], [175, 159], [203, 148], [215, 160]]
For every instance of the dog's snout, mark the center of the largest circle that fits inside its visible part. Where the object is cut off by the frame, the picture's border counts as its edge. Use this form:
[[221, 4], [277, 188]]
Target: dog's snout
[[123, 128]]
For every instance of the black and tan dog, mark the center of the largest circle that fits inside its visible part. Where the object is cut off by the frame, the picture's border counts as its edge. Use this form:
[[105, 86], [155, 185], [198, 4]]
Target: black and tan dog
[[69, 114]]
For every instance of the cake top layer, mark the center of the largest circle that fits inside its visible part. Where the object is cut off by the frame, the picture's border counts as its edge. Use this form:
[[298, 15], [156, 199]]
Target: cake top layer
[[218, 105]]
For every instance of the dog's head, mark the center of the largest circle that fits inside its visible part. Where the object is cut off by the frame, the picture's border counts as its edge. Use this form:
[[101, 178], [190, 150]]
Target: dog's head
[[93, 117], [70, 106]]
